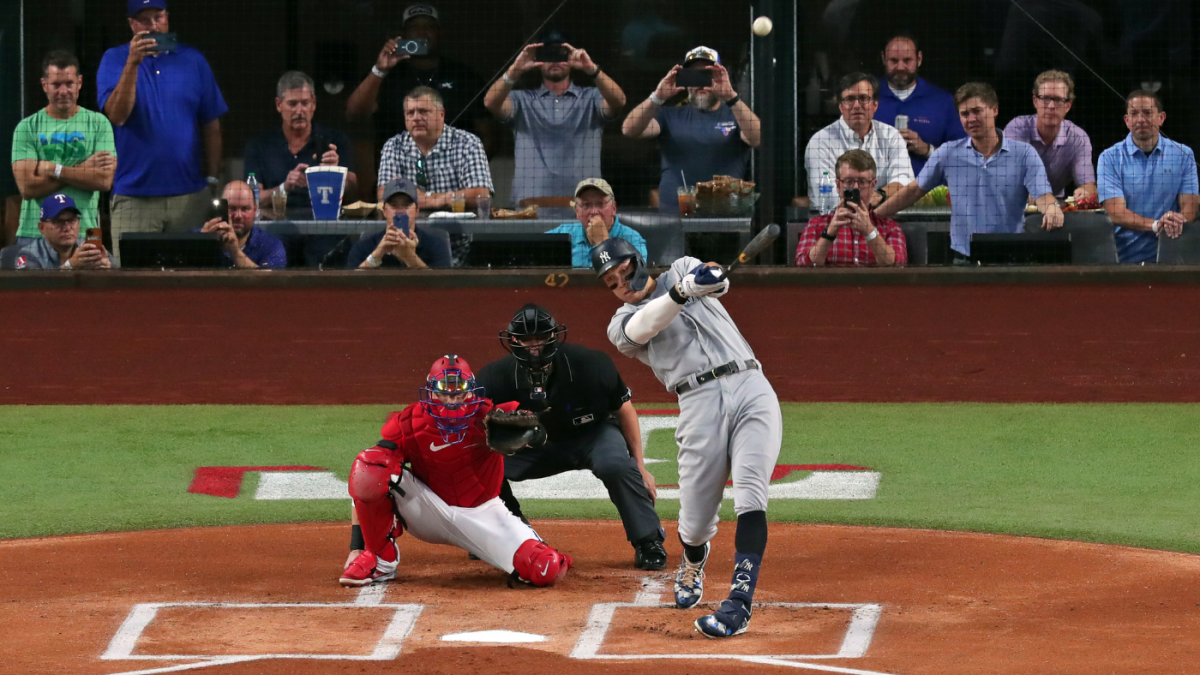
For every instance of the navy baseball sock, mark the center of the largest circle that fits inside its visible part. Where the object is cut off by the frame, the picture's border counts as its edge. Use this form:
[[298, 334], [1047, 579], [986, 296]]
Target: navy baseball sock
[[750, 540], [692, 553]]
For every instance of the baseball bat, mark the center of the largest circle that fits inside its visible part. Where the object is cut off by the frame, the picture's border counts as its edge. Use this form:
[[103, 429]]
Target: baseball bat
[[757, 245]]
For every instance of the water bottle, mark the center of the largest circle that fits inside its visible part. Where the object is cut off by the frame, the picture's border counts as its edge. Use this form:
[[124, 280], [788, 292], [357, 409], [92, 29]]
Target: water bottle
[[253, 183], [826, 198]]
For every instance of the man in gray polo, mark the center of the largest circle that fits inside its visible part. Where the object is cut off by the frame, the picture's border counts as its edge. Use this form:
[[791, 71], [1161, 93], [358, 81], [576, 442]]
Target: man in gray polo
[[58, 247], [557, 127]]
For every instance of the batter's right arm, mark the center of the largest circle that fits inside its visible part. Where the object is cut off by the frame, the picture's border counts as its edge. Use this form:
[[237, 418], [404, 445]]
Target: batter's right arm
[[654, 317]]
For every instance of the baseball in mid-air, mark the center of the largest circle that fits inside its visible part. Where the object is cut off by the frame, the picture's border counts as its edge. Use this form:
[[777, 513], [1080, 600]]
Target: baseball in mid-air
[[762, 26]]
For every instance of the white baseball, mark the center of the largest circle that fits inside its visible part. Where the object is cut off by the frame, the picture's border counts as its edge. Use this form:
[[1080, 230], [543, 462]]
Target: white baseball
[[762, 26]]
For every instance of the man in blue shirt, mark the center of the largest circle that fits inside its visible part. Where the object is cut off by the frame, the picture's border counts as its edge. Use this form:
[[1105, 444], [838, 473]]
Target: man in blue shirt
[[932, 118], [165, 106], [395, 247], [991, 178], [709, 136], [597, 212], [246, 245], [1147, 182]]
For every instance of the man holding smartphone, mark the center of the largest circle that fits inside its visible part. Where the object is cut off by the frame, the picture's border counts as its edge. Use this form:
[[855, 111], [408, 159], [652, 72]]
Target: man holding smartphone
[[165, 107], [852, 235], [246, 245], [402, 243], [58, 246], [710, 136], [923, 113]]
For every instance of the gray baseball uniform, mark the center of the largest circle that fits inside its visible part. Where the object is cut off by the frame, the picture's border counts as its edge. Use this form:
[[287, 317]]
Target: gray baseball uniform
[[729, 424]]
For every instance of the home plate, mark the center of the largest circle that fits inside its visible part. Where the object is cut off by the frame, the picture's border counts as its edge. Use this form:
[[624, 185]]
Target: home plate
[[497, 636]]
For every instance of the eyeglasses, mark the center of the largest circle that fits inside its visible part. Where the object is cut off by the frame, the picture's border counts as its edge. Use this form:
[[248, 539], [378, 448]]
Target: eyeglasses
[[422, 176], [588, 206], [1056, 100], [856, 182], [73, 222], [861, 100]]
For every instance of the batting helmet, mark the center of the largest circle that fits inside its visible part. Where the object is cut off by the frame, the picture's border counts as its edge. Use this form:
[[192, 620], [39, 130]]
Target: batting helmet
[[614, 251], [532, 323], [449, 378]]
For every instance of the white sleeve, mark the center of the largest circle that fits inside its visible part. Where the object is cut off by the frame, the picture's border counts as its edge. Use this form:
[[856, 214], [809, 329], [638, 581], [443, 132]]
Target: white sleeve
[[899, 163], [651, 319]]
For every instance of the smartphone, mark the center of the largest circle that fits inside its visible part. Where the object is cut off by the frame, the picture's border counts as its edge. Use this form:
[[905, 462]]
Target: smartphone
[[412, 47], [165, 42], [551, 54], [852, 195], [400, 222], [693, 77], [95, 237], [901, 121], [221, 209]]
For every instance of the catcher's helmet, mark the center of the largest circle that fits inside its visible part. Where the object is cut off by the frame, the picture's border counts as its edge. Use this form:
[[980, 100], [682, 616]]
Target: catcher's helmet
[[451, 376], [614, 251], [531, 323]]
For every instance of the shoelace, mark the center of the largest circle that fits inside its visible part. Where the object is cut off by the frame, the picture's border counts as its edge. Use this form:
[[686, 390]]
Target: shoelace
[[693, 573]]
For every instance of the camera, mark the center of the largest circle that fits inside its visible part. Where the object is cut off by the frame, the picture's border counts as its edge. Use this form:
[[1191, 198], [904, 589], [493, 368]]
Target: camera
[[694, 77], [412, 47], [552, 54]]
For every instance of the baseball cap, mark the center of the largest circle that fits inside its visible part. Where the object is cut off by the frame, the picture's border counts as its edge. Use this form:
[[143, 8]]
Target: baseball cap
[[702, 53], [136, 6], [553, 36], [598, 183], [418, 10], [400, 185], [56, 204]]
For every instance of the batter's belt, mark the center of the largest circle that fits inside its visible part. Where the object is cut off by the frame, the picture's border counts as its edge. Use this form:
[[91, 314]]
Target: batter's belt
[[718, 372]]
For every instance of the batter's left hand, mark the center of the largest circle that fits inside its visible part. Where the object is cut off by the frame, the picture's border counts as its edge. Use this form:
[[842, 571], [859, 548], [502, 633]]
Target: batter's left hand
[[648, 481]]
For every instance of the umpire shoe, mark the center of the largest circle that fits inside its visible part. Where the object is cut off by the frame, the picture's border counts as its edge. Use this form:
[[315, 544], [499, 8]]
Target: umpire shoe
[[649, 554], [367, 569], [689, 580], [732, 618]]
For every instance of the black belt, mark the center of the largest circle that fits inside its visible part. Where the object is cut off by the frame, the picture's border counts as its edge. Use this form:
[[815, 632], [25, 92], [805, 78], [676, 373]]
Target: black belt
[[720, 371]]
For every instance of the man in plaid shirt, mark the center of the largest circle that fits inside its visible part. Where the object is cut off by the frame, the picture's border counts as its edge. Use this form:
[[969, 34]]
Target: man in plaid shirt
[[852, 234]]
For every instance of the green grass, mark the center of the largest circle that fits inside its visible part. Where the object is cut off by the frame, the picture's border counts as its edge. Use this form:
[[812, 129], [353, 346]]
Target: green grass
[[1108, 473]]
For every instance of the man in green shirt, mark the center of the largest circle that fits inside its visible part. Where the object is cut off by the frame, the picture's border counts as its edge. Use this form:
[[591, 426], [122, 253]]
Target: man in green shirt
[[62, 148]]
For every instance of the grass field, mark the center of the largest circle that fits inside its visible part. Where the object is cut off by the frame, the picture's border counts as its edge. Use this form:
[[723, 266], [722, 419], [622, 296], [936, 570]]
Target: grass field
[[1107, 473]]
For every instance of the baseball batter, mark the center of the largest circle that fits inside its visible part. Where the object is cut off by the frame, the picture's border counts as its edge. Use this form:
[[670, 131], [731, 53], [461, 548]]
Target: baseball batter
[[449, 495], [729, 417]]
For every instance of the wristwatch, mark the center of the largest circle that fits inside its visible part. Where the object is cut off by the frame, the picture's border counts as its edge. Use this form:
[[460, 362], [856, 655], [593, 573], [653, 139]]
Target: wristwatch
[[882, 195], [825, 235]]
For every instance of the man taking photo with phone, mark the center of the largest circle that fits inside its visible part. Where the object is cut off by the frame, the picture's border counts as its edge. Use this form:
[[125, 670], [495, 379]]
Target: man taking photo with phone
[[58, 246], [852, 234], [246, 245], [402, 243]]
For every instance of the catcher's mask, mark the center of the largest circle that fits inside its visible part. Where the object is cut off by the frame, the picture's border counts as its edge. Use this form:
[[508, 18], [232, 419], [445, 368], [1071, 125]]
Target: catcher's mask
[[614, 251], [451, 376], [532, 323]]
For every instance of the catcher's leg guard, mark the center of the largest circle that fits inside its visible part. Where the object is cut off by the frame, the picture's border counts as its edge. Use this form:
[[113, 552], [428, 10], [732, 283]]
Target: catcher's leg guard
[[539, 564], [370, 480]]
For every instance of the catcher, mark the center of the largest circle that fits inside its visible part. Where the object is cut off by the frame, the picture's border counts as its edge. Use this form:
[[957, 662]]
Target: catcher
[[434, 475]]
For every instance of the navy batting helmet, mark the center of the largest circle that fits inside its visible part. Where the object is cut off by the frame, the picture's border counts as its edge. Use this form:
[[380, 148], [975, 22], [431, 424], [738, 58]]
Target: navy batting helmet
[[614, 251], [532, 324]]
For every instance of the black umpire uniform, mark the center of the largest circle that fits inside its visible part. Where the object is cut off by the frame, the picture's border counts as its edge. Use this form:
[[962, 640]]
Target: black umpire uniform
[[575, 391]]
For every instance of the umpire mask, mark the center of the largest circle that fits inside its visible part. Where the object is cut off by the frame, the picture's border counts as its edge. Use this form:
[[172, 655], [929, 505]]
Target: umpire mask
[[533, 324]]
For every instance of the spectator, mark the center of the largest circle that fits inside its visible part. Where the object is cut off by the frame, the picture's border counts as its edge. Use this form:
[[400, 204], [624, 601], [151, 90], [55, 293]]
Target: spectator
[[62, 148], [1065, 149], [279, 157], [596, 209], [246, 245], [382, 92], [866, 239], [557, 127], [698, 141], [1148, 182], [393, 247], [932, 119], [991, 178], [165, 106], [855, 130], [58, 246]]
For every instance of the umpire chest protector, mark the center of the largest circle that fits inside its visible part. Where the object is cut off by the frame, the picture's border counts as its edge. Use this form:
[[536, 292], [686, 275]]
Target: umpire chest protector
[[583, 391]]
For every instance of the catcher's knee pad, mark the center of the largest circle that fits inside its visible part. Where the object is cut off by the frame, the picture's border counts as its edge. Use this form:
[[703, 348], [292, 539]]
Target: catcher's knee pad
[[371, 474], [539, 564]]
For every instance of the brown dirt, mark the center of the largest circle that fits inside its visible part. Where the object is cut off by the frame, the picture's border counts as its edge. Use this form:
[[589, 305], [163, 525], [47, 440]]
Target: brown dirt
[[952, 603]]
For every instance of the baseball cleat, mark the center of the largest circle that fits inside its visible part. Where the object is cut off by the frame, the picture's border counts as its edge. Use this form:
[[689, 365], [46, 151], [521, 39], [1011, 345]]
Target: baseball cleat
[[649, 554], [732, 618], [367, 568], [689, 581]]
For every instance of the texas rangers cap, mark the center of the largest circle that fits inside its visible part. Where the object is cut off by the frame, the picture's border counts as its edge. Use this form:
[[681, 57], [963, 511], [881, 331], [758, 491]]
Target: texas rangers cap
[[598, 183], [56, 204], [420, 10], [400, 185], [136, 6], [702, 53]]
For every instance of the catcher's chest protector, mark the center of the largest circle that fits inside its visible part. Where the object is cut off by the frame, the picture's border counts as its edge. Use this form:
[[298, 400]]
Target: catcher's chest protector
[[463, 474]]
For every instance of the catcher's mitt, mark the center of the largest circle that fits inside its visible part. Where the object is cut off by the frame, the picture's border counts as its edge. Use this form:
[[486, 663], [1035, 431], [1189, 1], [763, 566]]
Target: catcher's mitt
[[511, 432]]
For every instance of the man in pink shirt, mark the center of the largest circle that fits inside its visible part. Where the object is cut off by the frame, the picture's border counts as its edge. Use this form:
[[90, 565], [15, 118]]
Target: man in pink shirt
[[1065, 149]]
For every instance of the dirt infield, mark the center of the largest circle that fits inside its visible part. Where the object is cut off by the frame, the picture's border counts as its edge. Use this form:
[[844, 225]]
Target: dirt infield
[[1070, 343], [944, 603]]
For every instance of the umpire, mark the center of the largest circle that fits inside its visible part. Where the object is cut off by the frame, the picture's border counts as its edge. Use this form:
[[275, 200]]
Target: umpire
[[585, 409]]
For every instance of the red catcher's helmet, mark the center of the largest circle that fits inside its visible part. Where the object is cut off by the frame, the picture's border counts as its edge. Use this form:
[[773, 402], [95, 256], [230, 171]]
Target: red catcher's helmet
[[451, 376]]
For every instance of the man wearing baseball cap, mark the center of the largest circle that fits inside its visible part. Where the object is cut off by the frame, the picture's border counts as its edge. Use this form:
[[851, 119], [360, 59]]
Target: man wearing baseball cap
[[396, 73], [409, 245], [712, 136], [165, 107], [596, 209], [58, 247]]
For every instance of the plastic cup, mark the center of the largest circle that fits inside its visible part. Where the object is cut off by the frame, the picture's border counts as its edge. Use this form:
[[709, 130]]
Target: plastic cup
[[279, 199], [687, 202], [483, 207], [458, 202], [325, 187]]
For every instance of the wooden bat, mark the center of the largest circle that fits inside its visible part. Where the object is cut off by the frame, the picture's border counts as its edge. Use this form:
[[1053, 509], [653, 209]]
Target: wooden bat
[[757, 245]]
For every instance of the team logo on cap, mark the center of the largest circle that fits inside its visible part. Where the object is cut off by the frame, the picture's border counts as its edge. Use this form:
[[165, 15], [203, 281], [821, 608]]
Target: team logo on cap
[[604, 256], [22, 261]]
